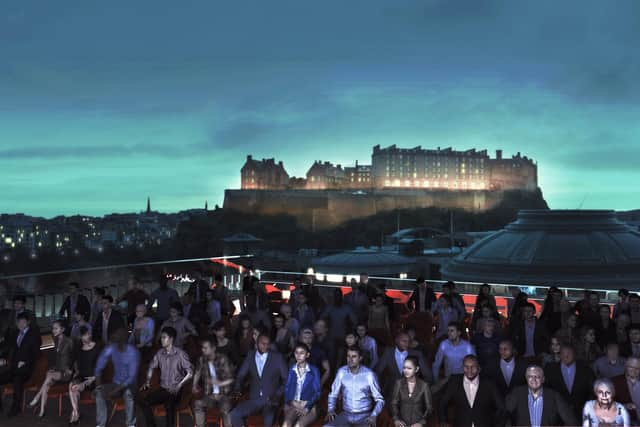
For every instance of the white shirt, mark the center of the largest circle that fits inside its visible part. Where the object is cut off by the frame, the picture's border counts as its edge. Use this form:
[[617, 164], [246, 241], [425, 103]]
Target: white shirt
[[470, 389], [300, 380], [212, 372], [261, 359]]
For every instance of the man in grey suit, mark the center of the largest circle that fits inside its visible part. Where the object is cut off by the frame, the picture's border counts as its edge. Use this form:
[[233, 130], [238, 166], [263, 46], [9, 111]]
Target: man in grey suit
[[267, 374]]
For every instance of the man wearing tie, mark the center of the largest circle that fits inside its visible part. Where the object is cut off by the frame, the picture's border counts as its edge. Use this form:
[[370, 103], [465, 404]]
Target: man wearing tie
[[24, 353], [267, 373]]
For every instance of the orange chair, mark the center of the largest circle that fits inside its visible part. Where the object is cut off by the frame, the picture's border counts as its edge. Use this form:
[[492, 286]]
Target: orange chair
[[183, 407], [58, 391]]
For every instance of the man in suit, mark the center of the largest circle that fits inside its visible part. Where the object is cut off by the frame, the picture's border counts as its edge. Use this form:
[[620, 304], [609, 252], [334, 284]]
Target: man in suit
[[19, 303], [108, 322], [267, 374], [535, 405], [74, 302], [25, 350], [420, 304], [389, 366], [632, 346], [198, 289], [508, 372], [571, 378], [628, 387], [476, 399], [529, 335]]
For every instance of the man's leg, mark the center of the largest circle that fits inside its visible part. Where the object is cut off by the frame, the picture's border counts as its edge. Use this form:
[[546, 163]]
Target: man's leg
[[308, 419], [200, 407], [170, 404], [244, 409], [340, 420], [19, 378], [101, 393], [129, 407], [224, 403], [147, 402]]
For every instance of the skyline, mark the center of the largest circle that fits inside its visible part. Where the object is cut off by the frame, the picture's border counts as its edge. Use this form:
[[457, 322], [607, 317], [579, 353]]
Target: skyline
[[103, 105]]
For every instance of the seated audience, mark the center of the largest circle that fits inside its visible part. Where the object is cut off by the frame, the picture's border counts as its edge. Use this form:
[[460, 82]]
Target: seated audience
[[604, 410], [391, 364], [61, 371], [628, 388], [302, 390], [611, 364], [212, 382], [143, 331], [368, 345], [411, 401], [181, 324], [86, 354], [362, 400], [175, 371]]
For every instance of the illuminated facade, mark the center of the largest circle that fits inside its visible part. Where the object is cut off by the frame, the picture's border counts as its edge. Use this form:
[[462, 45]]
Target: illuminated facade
[[403, 168]]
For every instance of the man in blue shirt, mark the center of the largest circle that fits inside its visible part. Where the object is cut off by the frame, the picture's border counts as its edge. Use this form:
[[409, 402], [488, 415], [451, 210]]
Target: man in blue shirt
[[452, 351], [362, 400], [126, 361]]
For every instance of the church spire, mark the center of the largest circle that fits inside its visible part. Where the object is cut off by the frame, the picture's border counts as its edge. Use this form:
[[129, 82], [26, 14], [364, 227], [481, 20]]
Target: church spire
[[148, 205], [206, 205]]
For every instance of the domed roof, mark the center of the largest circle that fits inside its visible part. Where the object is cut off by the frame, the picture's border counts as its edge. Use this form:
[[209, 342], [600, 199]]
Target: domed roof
[[363, 260], [578, 248]]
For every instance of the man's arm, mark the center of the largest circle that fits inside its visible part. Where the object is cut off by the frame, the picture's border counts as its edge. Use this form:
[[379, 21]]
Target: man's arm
[[243, 371], [382, 363], [376, 394], [133, 367], [103, 359], [333, 394], [185, 366], [438, 361]]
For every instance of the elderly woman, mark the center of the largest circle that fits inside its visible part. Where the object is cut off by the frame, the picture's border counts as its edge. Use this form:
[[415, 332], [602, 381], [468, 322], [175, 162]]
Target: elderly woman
[[142, 334], [604, 411], [61, 372]]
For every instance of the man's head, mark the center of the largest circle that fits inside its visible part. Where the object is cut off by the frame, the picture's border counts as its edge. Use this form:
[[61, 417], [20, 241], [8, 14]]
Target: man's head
[[107, 303], [634, 301], [505, 349], [19, 301], [471, 367], [489, 327], [567, 354], [208, 348], [285, 310], [219, 330], [535, 377], [141, 310], [22, 321], [73, 288], [301, 353], [167, 336], [634, 333], [528, 311], [175, 310], [594, 300], [263, 342], [320, 328], [420, 282], [119, 337], [354, 357], [364, 278], [361, 329], [306, 336], [632, 368], [613, 350], [402, 341], [453, 331]]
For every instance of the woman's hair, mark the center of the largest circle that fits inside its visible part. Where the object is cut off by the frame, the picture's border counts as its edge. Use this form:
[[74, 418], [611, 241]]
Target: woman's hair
[[414, 360], [604, 382]]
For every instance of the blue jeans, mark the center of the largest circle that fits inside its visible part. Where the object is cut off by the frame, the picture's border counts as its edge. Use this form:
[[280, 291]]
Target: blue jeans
[[102, 394]]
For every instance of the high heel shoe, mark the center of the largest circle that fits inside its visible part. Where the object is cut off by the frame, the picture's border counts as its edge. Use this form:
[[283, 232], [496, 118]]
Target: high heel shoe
[[32, 404], [42, 415]]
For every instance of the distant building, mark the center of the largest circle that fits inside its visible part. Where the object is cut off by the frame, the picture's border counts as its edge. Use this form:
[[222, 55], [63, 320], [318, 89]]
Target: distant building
[[263, 174], [403, 168]]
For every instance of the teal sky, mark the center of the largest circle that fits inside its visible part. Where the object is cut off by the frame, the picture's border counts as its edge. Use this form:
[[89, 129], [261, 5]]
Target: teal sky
[[105, 103]]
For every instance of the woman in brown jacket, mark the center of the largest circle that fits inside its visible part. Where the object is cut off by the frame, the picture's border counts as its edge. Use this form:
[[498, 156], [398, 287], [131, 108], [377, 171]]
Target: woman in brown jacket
[[411, 400], [61, 372]]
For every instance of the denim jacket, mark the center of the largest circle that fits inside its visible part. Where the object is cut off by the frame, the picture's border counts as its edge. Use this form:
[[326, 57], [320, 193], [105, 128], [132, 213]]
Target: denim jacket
[[310, 387]]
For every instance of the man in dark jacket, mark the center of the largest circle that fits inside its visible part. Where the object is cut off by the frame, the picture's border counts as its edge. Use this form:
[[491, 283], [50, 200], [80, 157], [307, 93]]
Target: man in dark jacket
[[536, 405], [267, 374], [25, 350], [571, 378], [108, 321], [508, 372], [476, 400], [75, 302], [389, 366]]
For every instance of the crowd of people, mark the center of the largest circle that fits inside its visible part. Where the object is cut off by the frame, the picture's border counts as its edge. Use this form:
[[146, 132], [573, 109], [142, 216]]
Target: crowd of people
[[324, 358]]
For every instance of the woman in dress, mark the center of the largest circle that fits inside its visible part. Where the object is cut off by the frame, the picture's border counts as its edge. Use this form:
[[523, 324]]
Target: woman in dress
[[61, 372], [411, 398], [142, 334], [604, 410], [86, 356]]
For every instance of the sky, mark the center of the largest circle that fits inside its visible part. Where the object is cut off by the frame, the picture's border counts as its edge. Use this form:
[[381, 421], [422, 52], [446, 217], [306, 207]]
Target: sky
[[103, 104]]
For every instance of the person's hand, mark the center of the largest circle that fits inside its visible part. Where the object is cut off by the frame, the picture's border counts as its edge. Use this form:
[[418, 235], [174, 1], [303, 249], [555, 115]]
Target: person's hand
[[174, 390], [370, 421], [331, 416], [416, 425], [145, 386], [399, 424], [301, 412], [236, 395], [21, 364], [116, 392], [195, 389]]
